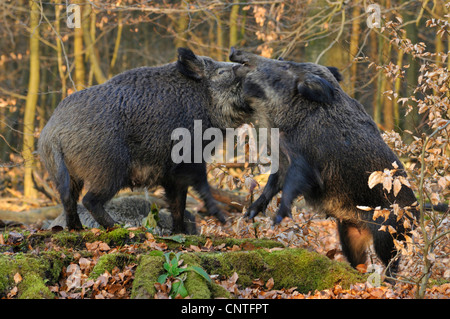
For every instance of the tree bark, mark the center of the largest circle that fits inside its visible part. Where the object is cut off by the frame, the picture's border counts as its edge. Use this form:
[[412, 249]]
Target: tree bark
[[90, 45], [59, 52], [78, 55], [31, 102], [354, 46], [234, 14]]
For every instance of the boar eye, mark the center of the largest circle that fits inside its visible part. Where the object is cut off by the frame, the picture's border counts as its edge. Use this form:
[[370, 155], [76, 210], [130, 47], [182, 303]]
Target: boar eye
[[285, 66], [221, 71]]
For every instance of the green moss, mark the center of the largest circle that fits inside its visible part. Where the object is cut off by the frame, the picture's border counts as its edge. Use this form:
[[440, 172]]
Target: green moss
[[147, 273], [308, 271], [299, 268], [117, 237], [198, 240], [33, 287], [289, 268], [151, 267], [248, 264], [45, 267], [109, 261], [72, 239], [197, 286]]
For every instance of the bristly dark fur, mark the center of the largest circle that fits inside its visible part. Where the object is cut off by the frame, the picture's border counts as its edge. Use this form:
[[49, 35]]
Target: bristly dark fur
[[336, 136], [118, 134]]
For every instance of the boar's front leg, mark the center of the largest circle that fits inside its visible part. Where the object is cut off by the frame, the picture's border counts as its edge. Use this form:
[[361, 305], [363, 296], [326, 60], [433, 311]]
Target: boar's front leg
[[272, 187], [301, 179]]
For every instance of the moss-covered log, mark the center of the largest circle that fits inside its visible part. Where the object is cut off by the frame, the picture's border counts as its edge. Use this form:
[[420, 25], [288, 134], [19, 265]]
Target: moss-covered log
[[308, 271], [40, 257]]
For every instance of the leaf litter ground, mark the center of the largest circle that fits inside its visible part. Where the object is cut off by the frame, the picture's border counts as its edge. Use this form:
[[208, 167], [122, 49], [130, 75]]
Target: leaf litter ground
[[305, 230]]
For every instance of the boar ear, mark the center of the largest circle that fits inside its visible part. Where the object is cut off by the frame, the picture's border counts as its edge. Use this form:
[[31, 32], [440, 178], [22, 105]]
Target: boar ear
[[315, 88], [189, 64], [335, 71]]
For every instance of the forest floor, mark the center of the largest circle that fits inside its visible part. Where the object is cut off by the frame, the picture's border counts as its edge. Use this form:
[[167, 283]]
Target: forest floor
[[306, 230]]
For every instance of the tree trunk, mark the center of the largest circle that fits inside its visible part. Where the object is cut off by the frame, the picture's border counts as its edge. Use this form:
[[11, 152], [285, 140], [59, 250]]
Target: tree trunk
[[59, 52], [116, 44], [354, 46], [90, 45], [30, 106], [234, 14], [180, 28], [78, 55], [219, 36]]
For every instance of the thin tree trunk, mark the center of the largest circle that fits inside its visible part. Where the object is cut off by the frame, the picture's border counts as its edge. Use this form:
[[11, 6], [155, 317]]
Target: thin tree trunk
[[59, 51], [180, 28], [90, 46], [30, 106], [354, 45], [78, 55], [219, 37], [397, 89], [234, 14], [116, 44]]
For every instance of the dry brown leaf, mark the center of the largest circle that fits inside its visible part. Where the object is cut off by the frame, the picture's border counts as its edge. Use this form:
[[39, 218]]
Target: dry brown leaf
[[375, 178], [84, 263], [362, 268], [103, 246], [233, 279], [397, 186], [269, 284], [17, 278], [96, 231], [13, 292]]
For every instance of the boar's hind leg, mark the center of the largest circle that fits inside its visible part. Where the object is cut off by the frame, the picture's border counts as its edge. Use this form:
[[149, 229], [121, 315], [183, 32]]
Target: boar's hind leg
[[202, 187], [194, 174], [69, 201], [176, 193], [354, 241], [69, 190], [94, 201]]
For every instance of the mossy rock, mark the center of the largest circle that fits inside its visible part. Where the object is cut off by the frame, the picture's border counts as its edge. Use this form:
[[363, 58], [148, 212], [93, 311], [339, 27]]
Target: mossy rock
[[36, 271], [289, 267]]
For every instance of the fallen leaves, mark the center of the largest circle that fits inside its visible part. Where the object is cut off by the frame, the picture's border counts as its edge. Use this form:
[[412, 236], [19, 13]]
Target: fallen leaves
[[304, 230], [97, 245], [110, 285]]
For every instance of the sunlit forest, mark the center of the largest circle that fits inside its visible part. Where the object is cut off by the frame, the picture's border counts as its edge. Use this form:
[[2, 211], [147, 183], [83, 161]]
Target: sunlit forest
[[392, 54]]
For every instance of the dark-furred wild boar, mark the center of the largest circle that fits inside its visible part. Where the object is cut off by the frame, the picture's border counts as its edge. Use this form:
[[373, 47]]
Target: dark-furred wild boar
[[322, 125], [118, 134]]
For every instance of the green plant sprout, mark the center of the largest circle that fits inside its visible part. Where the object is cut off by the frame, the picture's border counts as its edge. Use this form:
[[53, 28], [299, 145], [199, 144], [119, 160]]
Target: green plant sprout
[[175, 270], [151, 221]]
